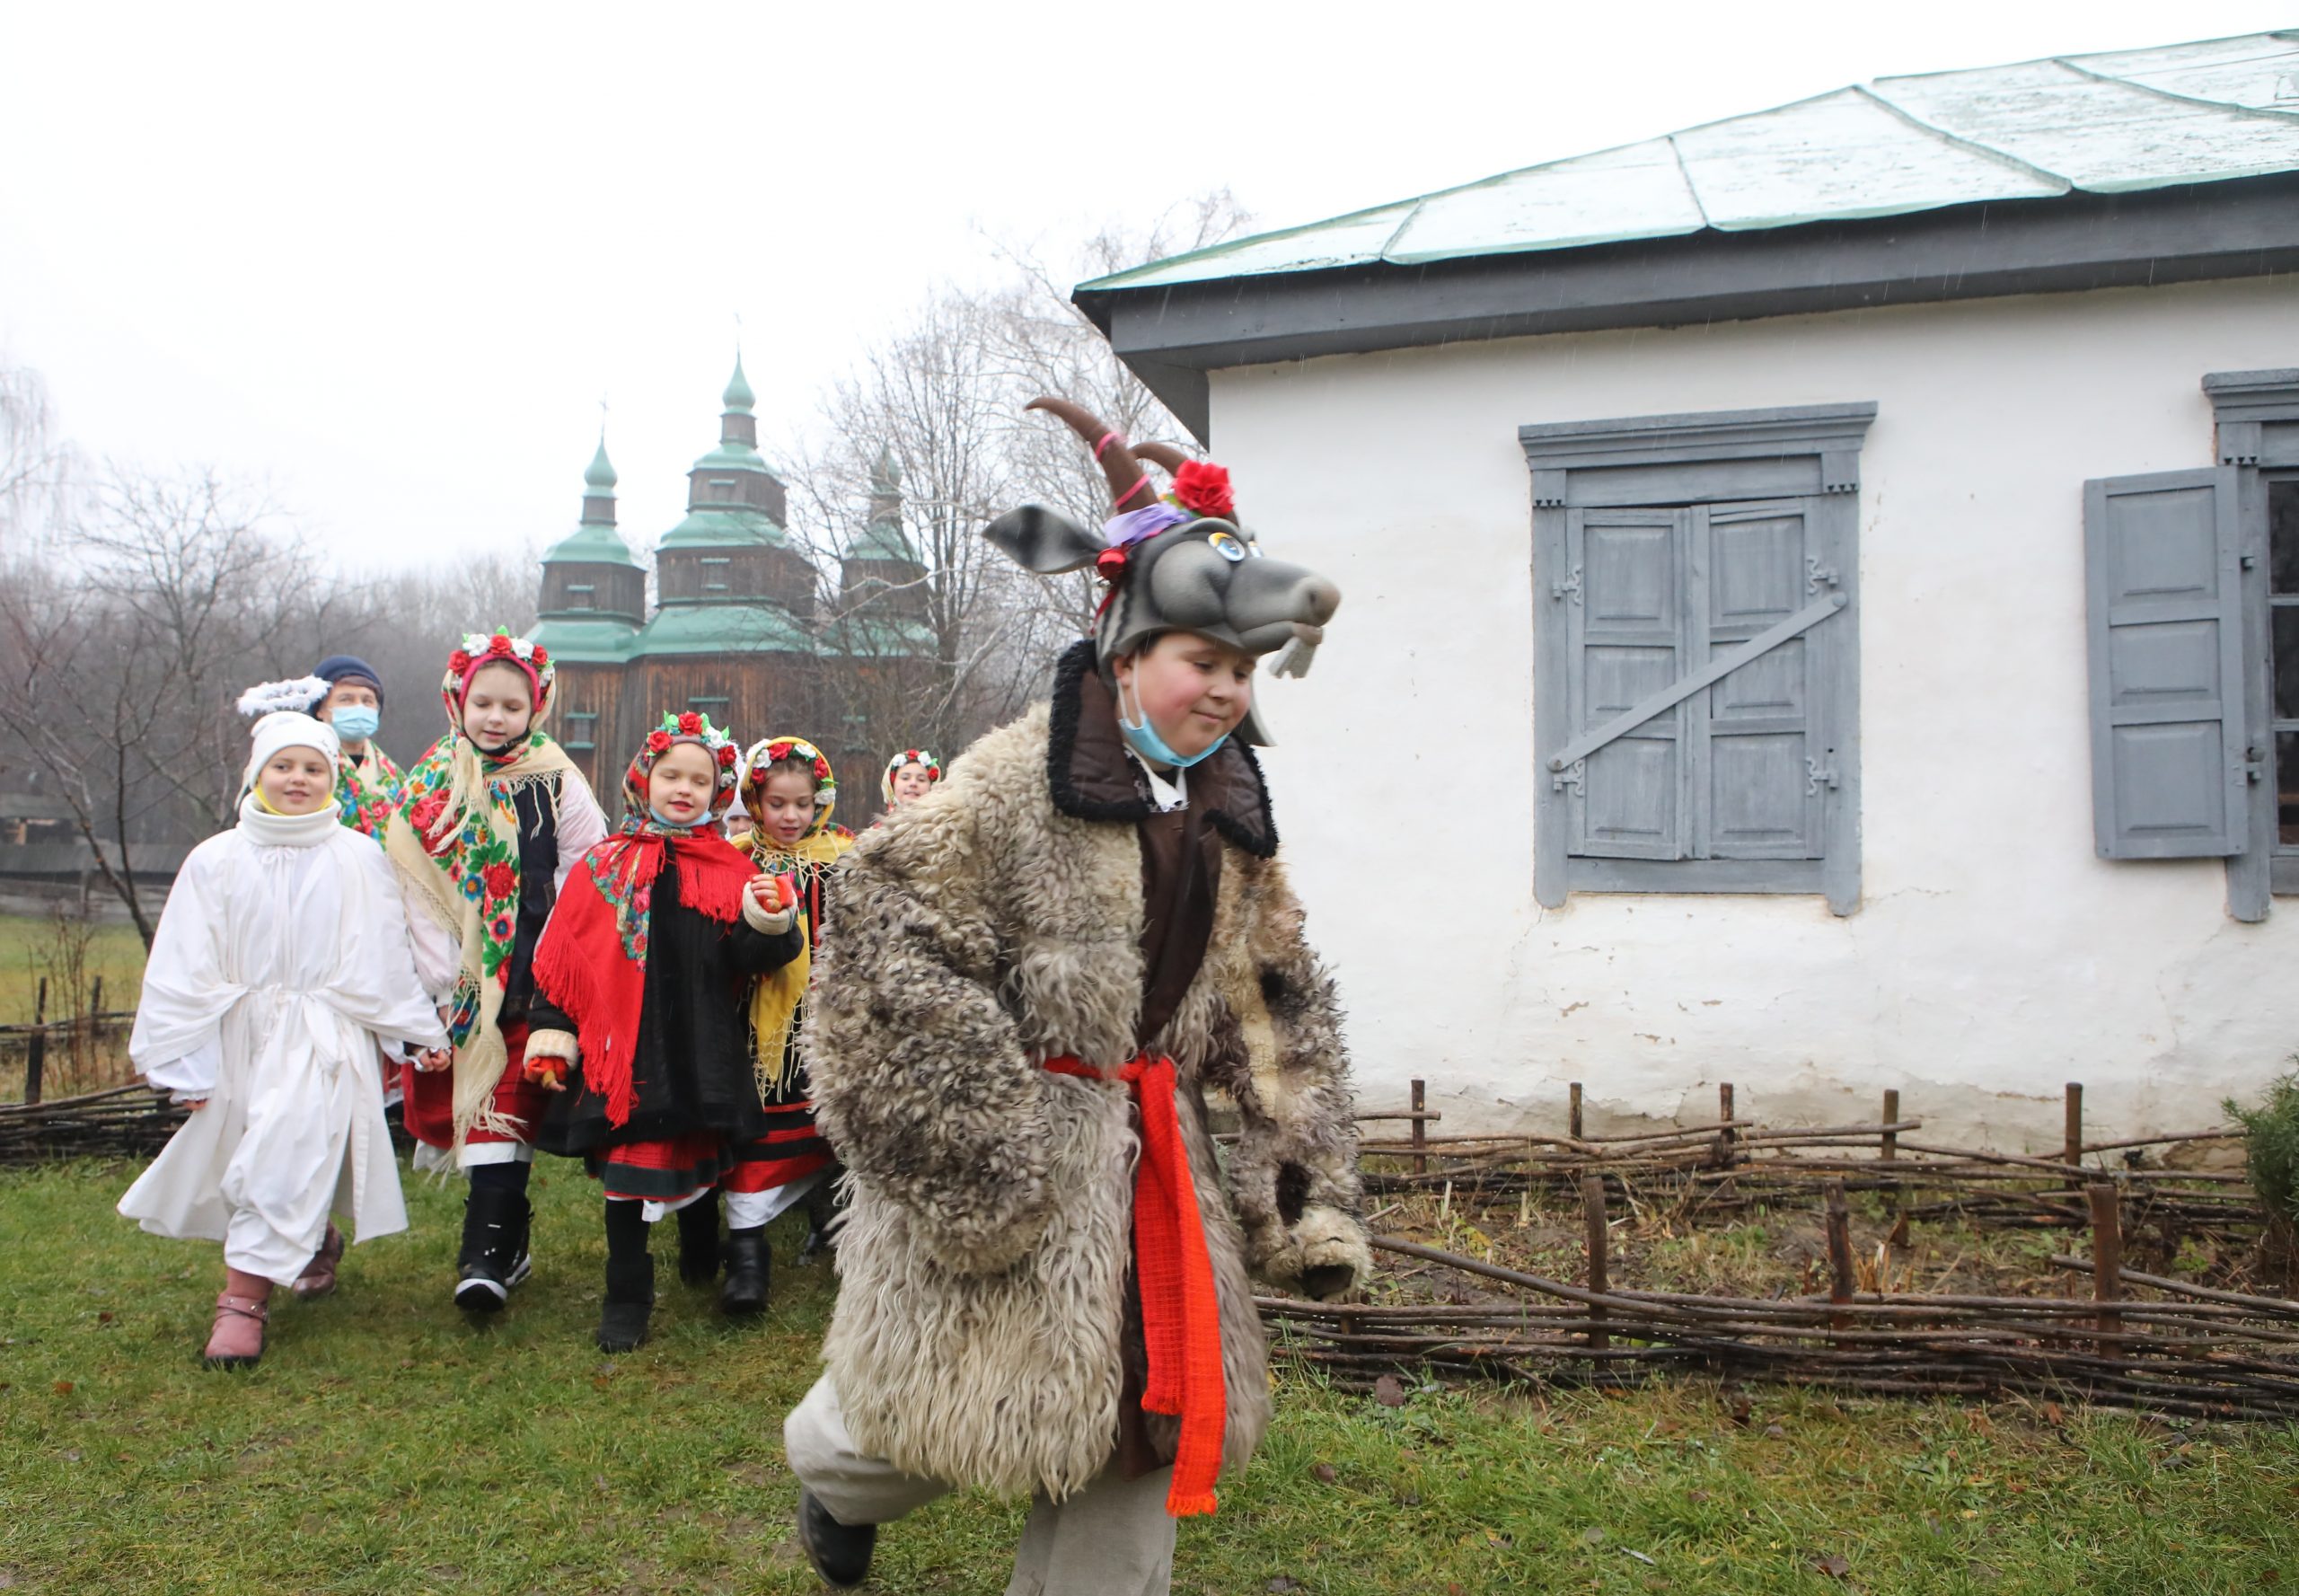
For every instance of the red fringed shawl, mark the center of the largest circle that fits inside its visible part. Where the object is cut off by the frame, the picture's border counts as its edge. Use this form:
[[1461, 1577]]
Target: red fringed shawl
[[592, 960]]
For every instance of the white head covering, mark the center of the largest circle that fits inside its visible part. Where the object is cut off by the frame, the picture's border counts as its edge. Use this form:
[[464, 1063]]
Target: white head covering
[[291, 728]]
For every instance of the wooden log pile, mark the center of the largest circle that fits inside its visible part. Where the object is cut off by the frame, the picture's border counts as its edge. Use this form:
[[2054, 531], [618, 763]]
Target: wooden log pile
[[2131, 1339]]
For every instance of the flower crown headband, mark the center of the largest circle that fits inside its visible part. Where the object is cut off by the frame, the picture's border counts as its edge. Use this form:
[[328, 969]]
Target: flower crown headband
[[764, 756], [696, 728], [918, 756], [481, 648]]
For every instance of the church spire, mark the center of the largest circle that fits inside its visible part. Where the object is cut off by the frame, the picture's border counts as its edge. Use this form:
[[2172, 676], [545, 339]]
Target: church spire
[[598, 486], [737, 424]]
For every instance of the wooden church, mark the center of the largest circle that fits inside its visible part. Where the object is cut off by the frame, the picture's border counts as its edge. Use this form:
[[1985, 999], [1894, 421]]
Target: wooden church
[[738, 627]]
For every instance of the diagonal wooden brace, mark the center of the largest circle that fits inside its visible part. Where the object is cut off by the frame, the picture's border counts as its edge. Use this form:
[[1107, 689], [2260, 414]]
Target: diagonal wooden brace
[[1684, 687]]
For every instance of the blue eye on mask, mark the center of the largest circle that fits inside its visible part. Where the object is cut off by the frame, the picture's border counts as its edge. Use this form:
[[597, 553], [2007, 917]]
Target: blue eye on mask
[[356, 723]]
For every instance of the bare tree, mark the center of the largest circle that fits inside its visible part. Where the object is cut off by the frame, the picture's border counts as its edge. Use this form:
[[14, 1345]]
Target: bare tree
[[34, 464], [120, 666]]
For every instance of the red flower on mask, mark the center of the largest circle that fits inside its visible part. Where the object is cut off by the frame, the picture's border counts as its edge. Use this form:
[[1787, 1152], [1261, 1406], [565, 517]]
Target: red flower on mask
[[1204, 487]]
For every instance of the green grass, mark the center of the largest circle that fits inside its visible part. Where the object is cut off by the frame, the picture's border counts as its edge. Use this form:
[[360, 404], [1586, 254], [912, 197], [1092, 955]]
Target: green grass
[[115, 952], [385, 1445]]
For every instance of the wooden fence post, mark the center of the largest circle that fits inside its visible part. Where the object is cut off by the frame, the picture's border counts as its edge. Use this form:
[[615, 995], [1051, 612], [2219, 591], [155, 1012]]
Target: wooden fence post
[[1841, 1279], [2072, 1153], [1420, 1127], [2107, 1258], [1891, 1118], [1592, 1204], [1728, 1136], [1572, 1111], [36, 1045]]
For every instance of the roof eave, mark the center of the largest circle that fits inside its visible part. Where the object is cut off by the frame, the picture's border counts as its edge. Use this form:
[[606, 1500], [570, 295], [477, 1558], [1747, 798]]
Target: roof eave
[[1172, 336]]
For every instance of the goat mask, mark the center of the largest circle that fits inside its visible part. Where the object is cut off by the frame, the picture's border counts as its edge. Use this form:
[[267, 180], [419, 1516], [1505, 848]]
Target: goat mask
[[1181, 564]]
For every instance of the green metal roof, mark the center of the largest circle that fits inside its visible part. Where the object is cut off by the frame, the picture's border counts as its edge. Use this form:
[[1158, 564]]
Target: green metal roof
[[883, 539], [2109, 123], [738, 395], [601, 641], [735, 527], [723, 629], [592, 543]]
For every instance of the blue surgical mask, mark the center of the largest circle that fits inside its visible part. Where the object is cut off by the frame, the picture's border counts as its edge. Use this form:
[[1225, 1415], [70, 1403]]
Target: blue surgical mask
[[356, 723], [667, 824], [1143, 739]]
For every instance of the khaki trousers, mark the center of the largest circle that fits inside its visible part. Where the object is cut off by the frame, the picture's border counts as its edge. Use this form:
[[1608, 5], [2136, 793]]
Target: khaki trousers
[[1111, 1539]]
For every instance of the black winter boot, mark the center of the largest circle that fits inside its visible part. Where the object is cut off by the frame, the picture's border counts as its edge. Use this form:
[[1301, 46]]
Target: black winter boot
[[493, 1257], [750, 1265], [841, 1553], [699, 1240], [629, 1304]]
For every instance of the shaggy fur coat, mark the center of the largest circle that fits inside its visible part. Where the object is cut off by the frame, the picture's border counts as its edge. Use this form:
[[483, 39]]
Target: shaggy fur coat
[[986, 1249]]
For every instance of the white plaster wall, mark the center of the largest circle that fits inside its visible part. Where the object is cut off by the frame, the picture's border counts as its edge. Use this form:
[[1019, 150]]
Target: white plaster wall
[[1993, 956]]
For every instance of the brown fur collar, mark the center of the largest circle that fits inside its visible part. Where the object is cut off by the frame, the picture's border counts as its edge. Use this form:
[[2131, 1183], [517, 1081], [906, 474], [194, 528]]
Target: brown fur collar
[[1092, 778]]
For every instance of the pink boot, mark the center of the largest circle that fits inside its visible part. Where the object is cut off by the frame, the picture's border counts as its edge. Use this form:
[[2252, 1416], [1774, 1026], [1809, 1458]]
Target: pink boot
[[318, 1278], [237, 1340]]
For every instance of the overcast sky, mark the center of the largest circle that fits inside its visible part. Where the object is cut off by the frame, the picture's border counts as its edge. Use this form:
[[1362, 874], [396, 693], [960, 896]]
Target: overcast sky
[[390, 259]]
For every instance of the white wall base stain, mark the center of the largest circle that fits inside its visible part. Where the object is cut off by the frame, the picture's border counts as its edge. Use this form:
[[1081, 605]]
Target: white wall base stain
[[1993, 956]]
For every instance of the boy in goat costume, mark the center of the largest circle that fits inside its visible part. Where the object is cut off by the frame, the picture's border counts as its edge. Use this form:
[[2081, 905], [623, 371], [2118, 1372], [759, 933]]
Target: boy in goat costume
[[1028, 985]]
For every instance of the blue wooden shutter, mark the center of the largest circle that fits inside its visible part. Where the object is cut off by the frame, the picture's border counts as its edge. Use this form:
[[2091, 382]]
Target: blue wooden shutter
[[2168, 769], [1760, 763], [1624, 639]]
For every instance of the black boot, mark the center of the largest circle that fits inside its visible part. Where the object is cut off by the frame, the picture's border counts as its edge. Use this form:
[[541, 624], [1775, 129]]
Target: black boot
[[493, 1257], [750, 1265], [631, 1280], [821, 1220], [699, 1240], [841, 1553]]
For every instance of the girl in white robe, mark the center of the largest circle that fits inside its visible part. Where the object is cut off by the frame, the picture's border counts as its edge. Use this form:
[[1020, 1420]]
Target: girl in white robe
[[280, 964]]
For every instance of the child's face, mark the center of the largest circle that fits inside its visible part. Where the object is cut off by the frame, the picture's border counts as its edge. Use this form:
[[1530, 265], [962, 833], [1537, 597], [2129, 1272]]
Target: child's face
[[786, 806], [738, 825], [499, 706], [911, 783], [297, 780], [680, 787], [1192, 690]]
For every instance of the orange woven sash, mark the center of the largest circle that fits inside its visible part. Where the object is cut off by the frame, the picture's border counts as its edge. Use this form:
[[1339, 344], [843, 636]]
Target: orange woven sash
[[1181, 1316]]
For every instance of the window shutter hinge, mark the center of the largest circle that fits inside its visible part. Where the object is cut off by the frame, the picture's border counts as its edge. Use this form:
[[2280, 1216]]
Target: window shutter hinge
[[2255, 765], [1569, 587], [1815, 774], [1572, 778], [2251, 562], [1816, 575]]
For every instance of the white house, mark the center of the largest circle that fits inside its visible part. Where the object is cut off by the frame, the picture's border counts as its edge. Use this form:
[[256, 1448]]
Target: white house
[[1815, 590]]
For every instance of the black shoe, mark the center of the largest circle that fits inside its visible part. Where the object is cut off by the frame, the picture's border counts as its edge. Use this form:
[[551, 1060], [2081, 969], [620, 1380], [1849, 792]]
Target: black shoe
[[699, 1241], [841, 1553], [750, 1265], [493, 1256], [629, 1304]]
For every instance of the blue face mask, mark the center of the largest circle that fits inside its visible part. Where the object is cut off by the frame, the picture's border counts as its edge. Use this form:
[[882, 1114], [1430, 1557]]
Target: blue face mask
[[1143, 739], [668, 825], [356, 723]]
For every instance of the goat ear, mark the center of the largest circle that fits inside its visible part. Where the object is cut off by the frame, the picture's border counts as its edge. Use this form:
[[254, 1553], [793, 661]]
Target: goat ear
[[1044, 541]]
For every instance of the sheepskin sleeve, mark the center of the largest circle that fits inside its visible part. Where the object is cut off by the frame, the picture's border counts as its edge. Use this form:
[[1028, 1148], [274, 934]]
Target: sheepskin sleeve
[[1294, 1175], [918, 1077]]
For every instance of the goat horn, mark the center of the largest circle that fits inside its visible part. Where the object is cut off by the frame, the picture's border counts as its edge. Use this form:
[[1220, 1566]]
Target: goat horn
[[1118, 464], [1164, 455]]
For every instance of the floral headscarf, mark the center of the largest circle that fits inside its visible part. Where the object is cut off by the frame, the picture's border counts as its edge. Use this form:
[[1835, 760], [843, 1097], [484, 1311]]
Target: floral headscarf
[[688, 728], [455, 836], [592, 961], [774, 1002]]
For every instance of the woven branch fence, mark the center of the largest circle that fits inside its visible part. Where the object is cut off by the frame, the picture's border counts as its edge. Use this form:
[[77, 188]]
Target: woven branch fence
[[2129, 1339]]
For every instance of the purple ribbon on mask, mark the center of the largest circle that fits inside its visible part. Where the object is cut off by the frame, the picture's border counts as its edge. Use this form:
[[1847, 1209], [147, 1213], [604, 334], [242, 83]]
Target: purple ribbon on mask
[[1122, 532]]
